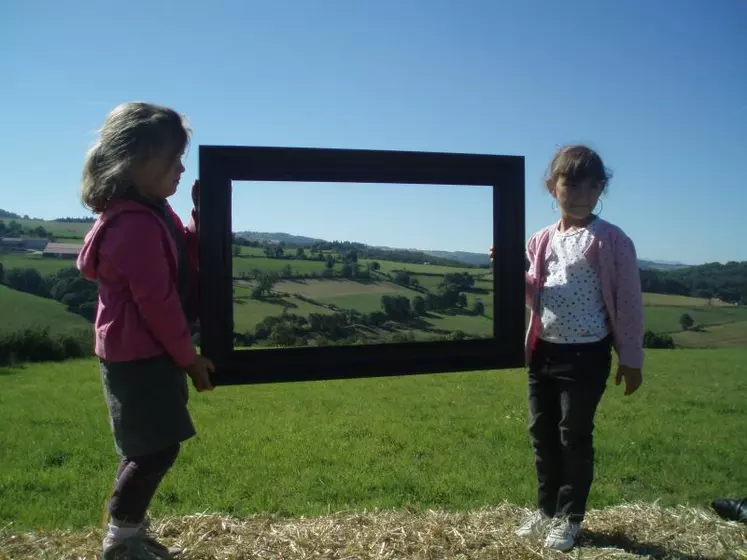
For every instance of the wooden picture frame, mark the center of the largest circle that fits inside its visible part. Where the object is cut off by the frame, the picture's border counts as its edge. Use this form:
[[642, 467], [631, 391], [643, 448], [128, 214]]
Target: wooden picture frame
[[219, 165]]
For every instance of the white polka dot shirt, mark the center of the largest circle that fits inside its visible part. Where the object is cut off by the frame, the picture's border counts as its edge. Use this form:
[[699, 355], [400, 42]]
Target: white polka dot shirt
[[572, 308]]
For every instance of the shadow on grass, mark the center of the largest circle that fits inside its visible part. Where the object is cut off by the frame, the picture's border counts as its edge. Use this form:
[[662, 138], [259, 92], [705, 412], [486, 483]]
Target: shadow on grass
[[630, 546]]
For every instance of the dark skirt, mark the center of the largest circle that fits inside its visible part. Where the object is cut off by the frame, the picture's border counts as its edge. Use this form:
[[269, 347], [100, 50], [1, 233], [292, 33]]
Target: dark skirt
[[147, 402]]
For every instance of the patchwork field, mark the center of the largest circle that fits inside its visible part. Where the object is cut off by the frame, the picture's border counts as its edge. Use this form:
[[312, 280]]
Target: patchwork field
[[338, 295], [666, 300], [730, 335], [249, 312], [334, 288], [390, 266], [246, 265]]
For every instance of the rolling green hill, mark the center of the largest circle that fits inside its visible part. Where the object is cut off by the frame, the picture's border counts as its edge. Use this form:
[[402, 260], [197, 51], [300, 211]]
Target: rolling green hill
[[20, 311]]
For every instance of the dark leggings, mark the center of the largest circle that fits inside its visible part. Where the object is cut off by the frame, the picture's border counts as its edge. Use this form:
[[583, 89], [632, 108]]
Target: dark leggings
[[137, 481]]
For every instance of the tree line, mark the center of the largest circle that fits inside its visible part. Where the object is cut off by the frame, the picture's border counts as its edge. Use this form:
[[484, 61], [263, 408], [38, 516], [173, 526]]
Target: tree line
[[14, 229], [319, 249], [727, 282]]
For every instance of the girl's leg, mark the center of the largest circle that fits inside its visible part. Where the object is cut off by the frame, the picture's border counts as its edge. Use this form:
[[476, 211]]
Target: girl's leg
[[544, 410], [137, 481], [582, 387]]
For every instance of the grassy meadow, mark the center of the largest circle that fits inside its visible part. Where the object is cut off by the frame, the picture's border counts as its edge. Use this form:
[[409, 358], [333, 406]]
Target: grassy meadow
[[452, 441], [45, 265], [20, 311]]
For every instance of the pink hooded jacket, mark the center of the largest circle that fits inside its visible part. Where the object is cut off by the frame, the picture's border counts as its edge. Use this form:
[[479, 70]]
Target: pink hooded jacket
[[613, 256], [132, 254]]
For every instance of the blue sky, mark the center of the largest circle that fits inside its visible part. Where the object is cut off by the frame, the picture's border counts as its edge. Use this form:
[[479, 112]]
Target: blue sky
[[658, 88]]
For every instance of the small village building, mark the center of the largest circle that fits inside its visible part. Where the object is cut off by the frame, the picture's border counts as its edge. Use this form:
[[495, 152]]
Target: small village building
[[62, 250]]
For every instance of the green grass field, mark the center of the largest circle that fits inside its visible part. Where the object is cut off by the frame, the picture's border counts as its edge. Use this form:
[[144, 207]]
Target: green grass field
[[729, 335], [45, 266], [391, 266], [68, 230], [668, 300], [667, 319], [19, 311], [248, 312], [456, 441], [242, 265]]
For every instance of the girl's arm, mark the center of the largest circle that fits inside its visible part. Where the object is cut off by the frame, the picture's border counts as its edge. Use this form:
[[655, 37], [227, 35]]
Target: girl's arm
[[629, 304]]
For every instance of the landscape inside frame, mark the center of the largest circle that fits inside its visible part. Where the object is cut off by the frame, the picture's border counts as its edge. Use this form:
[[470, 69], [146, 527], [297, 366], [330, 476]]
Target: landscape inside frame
[[334, 264]]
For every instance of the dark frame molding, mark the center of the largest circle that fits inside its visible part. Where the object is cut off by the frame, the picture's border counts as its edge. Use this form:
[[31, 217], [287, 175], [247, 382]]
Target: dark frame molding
[[219, 165]]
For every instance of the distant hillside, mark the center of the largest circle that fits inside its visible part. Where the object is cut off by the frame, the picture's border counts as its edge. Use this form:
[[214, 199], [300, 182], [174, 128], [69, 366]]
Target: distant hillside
[[661, 265], [477, 259], [279, 237], [9, 215]]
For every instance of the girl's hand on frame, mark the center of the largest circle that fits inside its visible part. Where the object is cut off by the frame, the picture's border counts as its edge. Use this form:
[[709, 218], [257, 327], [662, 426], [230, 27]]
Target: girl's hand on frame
[[633, 378], [491, 253], [199, 371], [196, 194]]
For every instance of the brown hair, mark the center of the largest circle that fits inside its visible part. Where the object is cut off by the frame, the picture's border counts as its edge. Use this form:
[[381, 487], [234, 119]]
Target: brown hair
[[577, 163], [132, 133]]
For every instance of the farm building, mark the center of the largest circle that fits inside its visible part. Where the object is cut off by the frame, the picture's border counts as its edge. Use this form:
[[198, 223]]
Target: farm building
[[62, 250], [16, 244]]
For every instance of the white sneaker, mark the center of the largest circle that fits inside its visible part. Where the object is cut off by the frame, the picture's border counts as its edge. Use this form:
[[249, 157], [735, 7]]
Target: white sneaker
[[563, 535], [534, 525]]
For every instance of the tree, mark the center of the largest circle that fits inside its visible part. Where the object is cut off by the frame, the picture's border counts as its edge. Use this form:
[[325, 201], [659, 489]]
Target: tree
[[402, 277], [265, 282], [27, 280], [418, 305], [462, 300], [287, 271], [347, 270], [236, 251], [375, 265], [686, 321], [330, 262], [300, 253], [283, 335], [478, 308], [653, 340]]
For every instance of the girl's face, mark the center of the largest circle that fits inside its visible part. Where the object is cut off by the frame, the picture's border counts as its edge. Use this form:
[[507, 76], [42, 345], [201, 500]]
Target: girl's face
[[159, 176], [576, 201]]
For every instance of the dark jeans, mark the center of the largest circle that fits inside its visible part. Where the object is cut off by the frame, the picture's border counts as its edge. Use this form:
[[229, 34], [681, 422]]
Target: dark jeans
[[137, 481], [566, 383]]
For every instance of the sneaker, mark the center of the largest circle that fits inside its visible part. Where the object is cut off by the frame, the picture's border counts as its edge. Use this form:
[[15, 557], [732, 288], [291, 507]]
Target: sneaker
[[139, 547], [144, 534], [563, 535], [533, 526]]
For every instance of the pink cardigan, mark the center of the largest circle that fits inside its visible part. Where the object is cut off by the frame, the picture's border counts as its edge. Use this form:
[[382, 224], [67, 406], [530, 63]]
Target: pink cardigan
[[132, 254], [613, 257]]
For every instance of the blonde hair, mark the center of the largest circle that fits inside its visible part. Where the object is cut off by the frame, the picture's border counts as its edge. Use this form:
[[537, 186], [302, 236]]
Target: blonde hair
[[132, 133]]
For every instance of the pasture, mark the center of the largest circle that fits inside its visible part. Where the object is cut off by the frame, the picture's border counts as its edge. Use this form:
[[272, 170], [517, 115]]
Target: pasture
[[70, 231], [453, 442], [19, 311], [45, 265]]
